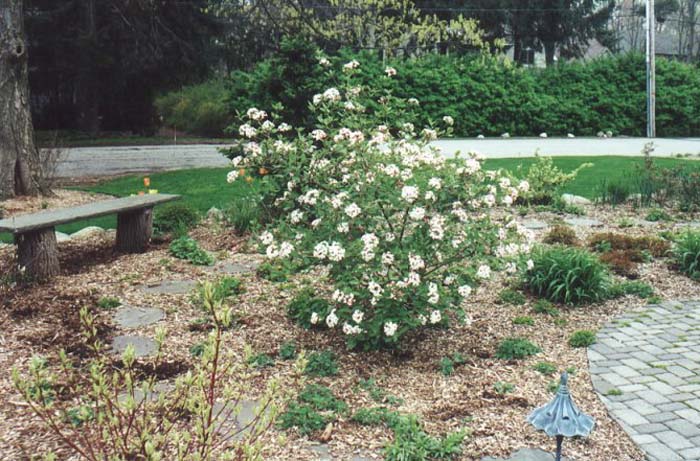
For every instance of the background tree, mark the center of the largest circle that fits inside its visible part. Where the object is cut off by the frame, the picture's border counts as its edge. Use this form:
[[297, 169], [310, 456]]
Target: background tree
[[97, 64], [17, 150]]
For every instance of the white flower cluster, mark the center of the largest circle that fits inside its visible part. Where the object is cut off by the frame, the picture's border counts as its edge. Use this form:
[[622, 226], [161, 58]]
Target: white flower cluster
[[370, 242], [256, 114], [333, 251]]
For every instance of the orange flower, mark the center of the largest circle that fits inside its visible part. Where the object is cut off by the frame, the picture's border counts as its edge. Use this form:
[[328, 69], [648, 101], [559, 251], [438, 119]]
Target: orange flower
[[263, 171], [241, 172], [142, 192], [146, 181]]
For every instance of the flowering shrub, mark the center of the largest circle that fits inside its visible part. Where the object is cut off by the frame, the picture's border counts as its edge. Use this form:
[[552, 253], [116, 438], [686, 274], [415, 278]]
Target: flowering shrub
[[403, 234]]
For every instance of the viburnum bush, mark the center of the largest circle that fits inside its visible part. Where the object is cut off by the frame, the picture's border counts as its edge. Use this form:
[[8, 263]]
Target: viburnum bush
[[403, 233]]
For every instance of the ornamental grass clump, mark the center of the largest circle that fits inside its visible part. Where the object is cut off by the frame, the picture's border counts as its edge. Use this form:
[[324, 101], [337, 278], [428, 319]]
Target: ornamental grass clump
[[101, 410], [567, 275], [402, 234], [686, 254]]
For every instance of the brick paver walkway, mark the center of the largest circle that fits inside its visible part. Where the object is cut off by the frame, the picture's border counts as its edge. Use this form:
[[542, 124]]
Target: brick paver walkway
[[646, 368]]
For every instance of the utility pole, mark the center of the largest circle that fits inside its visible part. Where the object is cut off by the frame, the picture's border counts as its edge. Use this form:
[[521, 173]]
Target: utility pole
[[651, 70]]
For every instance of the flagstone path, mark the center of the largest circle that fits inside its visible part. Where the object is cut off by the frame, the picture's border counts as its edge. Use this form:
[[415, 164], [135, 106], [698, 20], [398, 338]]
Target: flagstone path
[[646, 368]]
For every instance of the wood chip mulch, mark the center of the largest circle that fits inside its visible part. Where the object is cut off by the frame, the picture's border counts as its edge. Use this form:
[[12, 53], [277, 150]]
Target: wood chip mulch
[[41, 319]]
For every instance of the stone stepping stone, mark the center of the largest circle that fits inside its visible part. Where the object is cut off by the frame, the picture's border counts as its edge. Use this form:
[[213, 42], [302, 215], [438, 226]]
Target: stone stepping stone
[[527, 454], [324, 454], [139, 395], [571, 199], [136, 317], [234, 267], [170, 287], [583, 222], [235, 422], [143, 346], [534, 224], [691, 225]]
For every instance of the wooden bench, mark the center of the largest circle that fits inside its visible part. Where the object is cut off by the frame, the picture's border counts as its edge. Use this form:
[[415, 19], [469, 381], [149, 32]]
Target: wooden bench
[[35, 234]]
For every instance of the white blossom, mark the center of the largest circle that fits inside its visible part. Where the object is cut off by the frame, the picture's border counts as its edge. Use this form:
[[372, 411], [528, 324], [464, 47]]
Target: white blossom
[[390, 71], [353, 210], [417, 213], [332, 319], [357, 316], [314, 318], [409, 193], [231, 176], [390, 329], [483, 272], [464, 291], [435, 317]]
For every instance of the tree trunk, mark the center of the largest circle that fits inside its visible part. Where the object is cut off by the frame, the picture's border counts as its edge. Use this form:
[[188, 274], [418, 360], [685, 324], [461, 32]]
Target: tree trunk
[[87, 93], [17, 149], [37, 253], [134, 229]]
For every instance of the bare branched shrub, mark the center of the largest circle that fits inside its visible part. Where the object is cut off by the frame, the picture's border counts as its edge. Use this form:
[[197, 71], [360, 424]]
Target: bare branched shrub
[[104, 410]]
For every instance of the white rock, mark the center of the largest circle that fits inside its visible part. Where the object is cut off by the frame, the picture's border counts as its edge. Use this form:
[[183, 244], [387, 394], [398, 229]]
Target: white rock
[[481, 136], [89, 232], [609, 134], [600, 134], [61, 237], [543, 135], [571, 199], [570, 135], [505, 135]]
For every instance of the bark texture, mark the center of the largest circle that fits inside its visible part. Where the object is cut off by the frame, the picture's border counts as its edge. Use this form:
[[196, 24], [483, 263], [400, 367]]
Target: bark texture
[[17, 149], [134, 230], [37, 253]]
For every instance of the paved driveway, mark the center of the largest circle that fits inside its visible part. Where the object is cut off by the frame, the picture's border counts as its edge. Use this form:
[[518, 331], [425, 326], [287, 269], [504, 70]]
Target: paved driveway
[[84, 162]]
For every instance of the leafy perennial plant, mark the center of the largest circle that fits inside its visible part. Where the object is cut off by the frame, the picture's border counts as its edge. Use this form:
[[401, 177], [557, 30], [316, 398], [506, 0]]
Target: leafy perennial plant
[[403, 234]]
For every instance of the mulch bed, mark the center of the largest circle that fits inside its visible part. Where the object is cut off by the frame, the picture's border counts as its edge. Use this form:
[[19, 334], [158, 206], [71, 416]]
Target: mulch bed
[[41, 319]]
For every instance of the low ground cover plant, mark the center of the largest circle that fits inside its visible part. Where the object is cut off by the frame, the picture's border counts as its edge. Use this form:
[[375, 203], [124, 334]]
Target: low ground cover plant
[[516, 348], [567, 275], [315, 407], [108, 302], [401, 234], [561, 234], [321, 364], [546, 181], [188, 249], [582, 338]]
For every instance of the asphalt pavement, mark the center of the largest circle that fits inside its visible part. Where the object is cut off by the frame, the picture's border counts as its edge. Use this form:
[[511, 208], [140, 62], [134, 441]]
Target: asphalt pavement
[[91, 162]]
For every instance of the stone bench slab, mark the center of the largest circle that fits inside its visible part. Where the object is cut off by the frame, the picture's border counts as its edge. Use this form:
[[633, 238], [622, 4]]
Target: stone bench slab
[[50, 218]]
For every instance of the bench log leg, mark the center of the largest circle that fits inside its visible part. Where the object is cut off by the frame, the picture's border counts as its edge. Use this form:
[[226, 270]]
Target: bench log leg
[[37, 253], [134, 229]]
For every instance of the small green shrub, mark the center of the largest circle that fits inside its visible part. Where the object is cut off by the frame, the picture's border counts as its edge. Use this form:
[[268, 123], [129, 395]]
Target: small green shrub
[[308, 310], [582, 338], [516, 348], [635, 288], [567, 275], [175, 218], [315, 407], [542, 306], [108, 302], [448, 364], [503, 388], [273, 272], [375, 416], [657, 215], [524, 320], [563, 235], [303, 417], [546, 368], [188, 249], [321, 364], [261, 360], [321, 398], [546, 181], [412, 443], [510, 296], [288, 351], [686, 254]]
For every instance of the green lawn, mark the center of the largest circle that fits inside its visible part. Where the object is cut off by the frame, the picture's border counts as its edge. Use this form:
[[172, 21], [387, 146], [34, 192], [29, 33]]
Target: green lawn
[[207, 187]]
